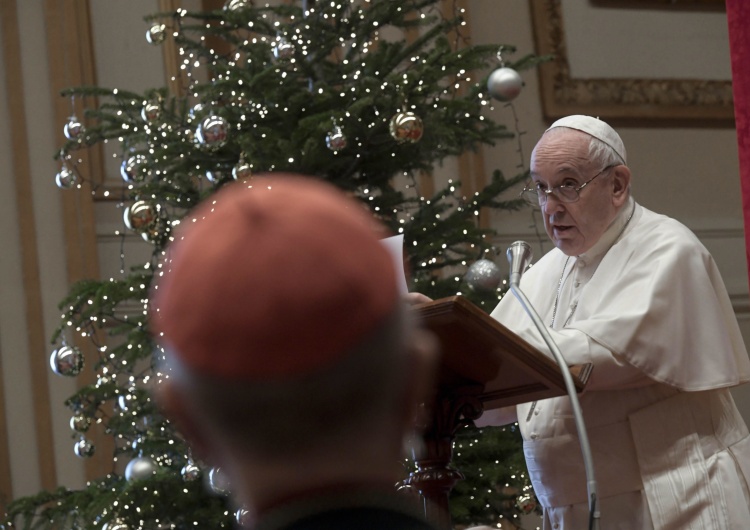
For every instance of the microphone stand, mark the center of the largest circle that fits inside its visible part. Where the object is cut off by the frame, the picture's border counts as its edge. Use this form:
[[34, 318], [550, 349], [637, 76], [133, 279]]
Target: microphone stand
[[519, 255]]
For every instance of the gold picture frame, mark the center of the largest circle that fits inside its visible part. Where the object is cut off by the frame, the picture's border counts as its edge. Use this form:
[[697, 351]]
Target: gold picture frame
[[655, 102]]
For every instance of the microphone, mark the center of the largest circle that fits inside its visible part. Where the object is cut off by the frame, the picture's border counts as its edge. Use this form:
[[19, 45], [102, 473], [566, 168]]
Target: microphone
[[519, 255]]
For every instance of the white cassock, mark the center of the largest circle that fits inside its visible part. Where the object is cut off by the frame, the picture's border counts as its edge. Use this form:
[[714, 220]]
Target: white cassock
[[648, 308]]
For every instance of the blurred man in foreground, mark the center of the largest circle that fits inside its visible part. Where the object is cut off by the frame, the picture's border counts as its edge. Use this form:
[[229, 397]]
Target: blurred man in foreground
[[293, 364]]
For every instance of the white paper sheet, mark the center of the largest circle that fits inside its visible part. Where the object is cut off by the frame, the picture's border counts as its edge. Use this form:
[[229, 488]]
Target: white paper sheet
[[395, 246]]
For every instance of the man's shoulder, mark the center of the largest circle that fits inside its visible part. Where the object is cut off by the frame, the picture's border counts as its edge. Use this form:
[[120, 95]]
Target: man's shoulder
[[661, 230]]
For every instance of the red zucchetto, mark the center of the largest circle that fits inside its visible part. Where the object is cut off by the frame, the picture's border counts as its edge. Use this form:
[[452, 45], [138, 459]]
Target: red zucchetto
[[272, 278]]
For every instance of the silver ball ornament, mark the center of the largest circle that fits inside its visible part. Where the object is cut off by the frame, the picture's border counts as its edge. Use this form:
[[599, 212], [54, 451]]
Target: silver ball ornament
[[157, 232], [196, 111], [190, 471], [504, 84], [126, 401], [406, 127], [66, 360], [283, 49], [116, 524], [237, 5], [79, 422], [335, 140], [218, 481], [218, 174], [84, 448], [242, 170], [212, 132], [140, 216], [74, 129], [156, 34], [140, 468], [66, 178], [243, 517], [483, 275], [526, 503], [133, 168], [151, 112]]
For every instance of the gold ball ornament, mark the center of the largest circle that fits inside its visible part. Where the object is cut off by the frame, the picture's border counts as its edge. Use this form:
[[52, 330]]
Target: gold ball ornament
[[156, 34], [504, 84], [140, 216], [406, 127]]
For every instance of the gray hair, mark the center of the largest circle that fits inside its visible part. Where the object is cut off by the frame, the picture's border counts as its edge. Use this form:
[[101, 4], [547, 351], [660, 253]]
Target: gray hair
[[297, 415], [602, 154]]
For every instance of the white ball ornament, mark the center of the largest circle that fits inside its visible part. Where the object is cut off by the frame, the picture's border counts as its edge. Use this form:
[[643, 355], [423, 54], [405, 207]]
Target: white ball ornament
[[504, 84], [140, 468]]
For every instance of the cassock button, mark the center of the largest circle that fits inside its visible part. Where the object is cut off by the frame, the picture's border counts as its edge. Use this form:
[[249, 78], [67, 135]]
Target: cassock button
[[577, 284], [534, 436], [536, 412]]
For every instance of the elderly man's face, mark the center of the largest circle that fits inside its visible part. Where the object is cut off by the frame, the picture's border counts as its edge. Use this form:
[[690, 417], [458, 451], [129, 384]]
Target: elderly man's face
[[561, 158]]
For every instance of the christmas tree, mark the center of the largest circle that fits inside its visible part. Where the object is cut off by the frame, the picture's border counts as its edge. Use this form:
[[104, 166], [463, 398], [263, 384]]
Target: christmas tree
[[368, 95]]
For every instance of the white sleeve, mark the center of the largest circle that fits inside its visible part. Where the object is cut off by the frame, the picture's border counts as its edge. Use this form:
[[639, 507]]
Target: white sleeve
[[611, 371]]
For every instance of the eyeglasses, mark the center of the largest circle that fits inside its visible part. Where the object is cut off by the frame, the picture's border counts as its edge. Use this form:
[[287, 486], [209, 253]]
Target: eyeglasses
[[563, 193]]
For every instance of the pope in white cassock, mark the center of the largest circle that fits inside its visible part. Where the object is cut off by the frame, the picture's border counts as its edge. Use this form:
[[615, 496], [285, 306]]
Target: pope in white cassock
[[636, 294]]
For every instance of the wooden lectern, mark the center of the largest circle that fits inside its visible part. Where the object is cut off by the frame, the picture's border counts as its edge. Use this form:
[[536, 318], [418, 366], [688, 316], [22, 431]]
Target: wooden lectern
[[484, 366]]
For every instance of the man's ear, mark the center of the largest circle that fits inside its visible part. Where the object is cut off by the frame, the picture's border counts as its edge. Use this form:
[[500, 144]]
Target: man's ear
[[620, 184], [178, 410]]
